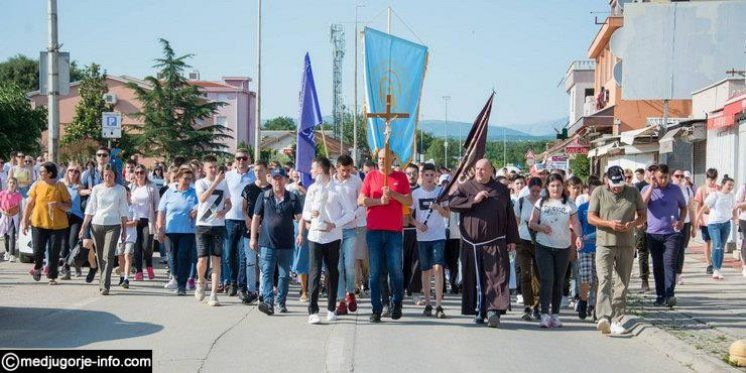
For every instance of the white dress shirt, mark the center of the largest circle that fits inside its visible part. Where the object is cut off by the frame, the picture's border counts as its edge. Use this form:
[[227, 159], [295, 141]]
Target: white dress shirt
[[333, 208]]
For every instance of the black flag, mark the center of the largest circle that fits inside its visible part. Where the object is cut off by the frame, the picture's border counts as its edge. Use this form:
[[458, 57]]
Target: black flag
[[474, 147]]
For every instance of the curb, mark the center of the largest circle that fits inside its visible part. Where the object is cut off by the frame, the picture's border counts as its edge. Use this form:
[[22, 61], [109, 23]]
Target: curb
[[675, 348]]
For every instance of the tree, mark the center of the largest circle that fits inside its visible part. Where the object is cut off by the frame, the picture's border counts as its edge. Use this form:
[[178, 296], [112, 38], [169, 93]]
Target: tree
[[86, 125], [580, 166], [174, 112], [20, 125], [280, 124], [24, 72]]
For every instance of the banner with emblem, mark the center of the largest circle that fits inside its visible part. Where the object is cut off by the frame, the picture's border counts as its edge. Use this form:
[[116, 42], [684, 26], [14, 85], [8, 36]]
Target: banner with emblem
[[396, 67]]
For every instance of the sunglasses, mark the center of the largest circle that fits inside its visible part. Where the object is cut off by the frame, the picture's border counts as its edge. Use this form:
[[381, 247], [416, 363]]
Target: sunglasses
[[102, 155], [139, 172], [678, 176], [73, 171], [186, 178], [242, 158]]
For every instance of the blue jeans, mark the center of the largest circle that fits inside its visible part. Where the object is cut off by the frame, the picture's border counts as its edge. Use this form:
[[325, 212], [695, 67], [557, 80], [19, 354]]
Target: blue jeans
[[664, 250], [347, 263], [385, 253], [719, 233], [249, 267], [232, 249], [183, 254], [269, 258]]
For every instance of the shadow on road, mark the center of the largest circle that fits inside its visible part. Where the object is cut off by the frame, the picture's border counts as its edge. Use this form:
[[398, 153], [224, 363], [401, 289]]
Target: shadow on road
[[65, 328]]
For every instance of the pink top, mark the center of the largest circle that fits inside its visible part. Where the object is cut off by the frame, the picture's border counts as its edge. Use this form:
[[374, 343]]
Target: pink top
[[9, 200]]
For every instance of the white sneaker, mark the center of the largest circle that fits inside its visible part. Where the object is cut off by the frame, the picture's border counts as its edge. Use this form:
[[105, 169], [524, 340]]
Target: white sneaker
[[314, 319], [171, 284], [199, 293], [743, 271], [7, 256], [617, 328], [331, 316], [716, 275], [556, 323], [13, 259], [720, 275], [603, 326], [519, 299], [546, 321], [213, 302]]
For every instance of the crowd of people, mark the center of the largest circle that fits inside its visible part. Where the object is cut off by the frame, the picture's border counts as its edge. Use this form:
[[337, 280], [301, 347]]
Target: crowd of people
[[545, 241]]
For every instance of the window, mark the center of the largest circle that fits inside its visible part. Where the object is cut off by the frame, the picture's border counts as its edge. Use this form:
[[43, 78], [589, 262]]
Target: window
[[224, 97], [221, 121], [589, 92]]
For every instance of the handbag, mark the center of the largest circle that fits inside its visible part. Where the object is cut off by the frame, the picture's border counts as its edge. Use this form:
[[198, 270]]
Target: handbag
[[78, 255]]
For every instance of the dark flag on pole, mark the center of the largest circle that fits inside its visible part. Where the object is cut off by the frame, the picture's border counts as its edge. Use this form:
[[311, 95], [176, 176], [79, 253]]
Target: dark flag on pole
[[474, 147]]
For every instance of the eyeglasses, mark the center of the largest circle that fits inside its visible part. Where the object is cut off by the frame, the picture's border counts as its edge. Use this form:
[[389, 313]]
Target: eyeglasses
[[73, 171], [102, 155], [27, 162], [242, 158]]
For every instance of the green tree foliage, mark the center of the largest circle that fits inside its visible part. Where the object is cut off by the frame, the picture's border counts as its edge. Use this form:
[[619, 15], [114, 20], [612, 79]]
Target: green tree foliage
[[86, 125], [580, 166], [515, 152], [173, 112], [24, 72], [280, 124], [20, 125]]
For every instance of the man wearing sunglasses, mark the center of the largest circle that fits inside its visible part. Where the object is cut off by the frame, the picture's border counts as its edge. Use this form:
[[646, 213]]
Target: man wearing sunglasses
[[233, 268]]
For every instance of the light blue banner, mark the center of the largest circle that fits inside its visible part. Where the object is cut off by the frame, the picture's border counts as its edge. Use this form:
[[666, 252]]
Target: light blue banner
[[397, 67]]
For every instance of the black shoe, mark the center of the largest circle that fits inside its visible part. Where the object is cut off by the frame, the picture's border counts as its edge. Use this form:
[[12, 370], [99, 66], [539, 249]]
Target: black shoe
[[493, 319], [409, 293], [250, 298], [709, 269], [582, 309], [233, 290], [283, 309], [375, 318], [536, 314], [479, 319], [242, 295], [181, 292], [660, 302], [386, 311], [454, 290], [671, 302], [396, 312], [439, 313], [121, 280], [527, 314], [266, 309], [261, 298], [645, 286], [91, 275], [126, 284], [428, 311]]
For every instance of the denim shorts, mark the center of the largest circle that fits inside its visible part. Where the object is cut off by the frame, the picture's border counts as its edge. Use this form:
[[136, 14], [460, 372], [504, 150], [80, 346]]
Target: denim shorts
[[705, 233], [431, 253]]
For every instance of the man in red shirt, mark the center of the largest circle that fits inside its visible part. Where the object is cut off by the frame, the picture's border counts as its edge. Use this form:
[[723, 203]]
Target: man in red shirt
[[384, 200]]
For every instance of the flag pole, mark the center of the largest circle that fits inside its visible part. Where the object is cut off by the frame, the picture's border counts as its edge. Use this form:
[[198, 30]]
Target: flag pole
[[323, 139]]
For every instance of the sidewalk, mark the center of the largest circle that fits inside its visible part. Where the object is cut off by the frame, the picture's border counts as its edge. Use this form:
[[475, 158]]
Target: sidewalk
[[710, 315]]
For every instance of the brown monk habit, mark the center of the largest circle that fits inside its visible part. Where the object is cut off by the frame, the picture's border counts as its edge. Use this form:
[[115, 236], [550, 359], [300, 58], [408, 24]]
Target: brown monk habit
[[486, 229]]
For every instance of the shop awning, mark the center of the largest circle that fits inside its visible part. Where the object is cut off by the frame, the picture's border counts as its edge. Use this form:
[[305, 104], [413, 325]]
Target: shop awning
[[628, 137], [728, 115], [556, 148], [640, 148], [602, 150], [601, 119], [666, 142]]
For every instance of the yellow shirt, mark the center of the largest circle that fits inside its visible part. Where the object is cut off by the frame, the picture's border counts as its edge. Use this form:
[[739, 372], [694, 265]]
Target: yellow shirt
[[43, 194]]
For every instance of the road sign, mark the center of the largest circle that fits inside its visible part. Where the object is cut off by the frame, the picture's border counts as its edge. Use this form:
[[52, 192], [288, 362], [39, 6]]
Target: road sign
[[111, 125], [63, 70]]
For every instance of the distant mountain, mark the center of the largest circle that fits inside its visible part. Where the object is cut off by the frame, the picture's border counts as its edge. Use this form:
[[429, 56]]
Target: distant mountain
[[545, 128], [439, 128]]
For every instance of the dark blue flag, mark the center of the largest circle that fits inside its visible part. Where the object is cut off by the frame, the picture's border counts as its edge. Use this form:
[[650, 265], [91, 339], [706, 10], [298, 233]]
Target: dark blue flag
[[310, 117]]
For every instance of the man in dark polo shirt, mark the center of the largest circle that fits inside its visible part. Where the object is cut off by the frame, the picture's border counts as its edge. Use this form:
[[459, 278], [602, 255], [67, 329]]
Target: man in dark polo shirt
[[275, 210]]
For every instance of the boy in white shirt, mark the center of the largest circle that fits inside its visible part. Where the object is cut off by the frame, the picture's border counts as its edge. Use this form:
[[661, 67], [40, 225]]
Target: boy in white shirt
[[431, 236], [127, 247]]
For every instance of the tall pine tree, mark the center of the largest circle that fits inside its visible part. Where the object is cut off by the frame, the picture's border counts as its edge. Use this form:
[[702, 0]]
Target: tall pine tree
[[173, 112]]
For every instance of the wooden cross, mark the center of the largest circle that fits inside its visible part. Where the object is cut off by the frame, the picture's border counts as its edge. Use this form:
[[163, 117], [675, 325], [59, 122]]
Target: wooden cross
[[388, 117]]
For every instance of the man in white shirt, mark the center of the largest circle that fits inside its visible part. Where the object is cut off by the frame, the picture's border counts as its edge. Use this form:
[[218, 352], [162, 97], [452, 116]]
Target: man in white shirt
[[233, 256], [214, 203], [431, 236], [348, 185]]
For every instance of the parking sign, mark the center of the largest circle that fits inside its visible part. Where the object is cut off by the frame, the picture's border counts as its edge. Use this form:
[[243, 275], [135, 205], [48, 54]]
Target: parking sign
[[111, 125]]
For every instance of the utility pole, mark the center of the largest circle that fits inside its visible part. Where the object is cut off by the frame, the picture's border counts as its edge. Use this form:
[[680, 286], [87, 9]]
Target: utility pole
[[257, 125], [445, 129], [53, 86], [388, 20], [354, 116]]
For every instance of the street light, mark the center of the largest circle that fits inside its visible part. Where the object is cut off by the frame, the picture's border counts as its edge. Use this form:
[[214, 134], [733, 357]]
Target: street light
[[445, 129]]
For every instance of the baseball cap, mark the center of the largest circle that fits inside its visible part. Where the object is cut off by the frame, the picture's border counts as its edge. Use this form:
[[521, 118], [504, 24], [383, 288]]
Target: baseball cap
[[279, 171], [615, 174]]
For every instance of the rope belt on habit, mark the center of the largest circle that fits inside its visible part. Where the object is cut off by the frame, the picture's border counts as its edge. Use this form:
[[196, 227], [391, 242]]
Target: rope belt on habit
[[476, 268]]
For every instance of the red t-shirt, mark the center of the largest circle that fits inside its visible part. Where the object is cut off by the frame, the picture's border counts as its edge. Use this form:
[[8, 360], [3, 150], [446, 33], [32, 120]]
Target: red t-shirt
[[388, 217]]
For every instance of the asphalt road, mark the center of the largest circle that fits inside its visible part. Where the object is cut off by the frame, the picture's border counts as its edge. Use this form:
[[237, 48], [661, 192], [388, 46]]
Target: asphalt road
[[187, 336]]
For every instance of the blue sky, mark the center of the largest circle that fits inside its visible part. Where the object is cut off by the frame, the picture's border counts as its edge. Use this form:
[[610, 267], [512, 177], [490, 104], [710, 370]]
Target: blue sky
[[521, 48]]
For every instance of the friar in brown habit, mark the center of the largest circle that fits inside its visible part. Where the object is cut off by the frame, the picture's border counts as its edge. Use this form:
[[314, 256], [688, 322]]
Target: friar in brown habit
[[489, 231]]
